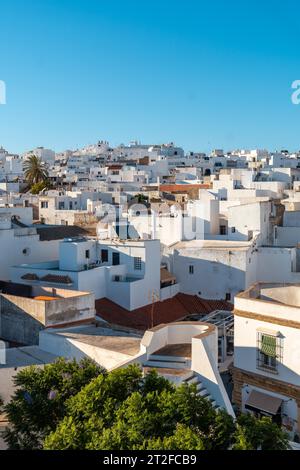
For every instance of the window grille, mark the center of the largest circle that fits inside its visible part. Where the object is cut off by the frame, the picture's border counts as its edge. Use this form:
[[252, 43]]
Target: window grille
[[137, 263], [269, 352]]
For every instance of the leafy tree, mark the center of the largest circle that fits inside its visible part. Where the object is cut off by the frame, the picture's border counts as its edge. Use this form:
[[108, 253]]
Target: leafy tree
[[252, 433], [125, 411], [94, 408], [141, 198], [35, 170], [36, 188], [79, 406], [39, 402], [183, 438], [221, 432]]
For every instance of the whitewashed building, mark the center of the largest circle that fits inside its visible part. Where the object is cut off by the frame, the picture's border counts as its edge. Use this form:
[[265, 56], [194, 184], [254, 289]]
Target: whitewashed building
[[267, 352], [128, 273]]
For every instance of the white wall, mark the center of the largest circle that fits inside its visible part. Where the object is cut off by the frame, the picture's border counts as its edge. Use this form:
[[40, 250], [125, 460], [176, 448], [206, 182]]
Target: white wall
[[291, 219], [216, 272], [72, 255], [12, 251], [249, 218], [23, 214], [245, 346], [287, 236], [276, 264]]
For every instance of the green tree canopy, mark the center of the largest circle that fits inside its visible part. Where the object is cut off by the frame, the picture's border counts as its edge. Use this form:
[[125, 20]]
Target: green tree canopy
[[252, 433], [141, 198], [39, 402], [36, 188], [125, 411], [69, 405]]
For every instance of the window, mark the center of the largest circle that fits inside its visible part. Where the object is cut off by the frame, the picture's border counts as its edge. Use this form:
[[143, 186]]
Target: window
[[191, 269], [115, 258], [104, 256], [44, 204], [269, 352], [87, 253], [227, 296], [232, 229], [137, 263]]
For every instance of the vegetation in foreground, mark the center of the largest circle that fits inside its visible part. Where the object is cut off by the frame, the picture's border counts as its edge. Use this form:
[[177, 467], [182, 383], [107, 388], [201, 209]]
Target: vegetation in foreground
[[69, 405]]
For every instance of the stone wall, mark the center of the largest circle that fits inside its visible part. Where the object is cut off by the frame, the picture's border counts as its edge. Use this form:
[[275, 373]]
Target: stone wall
[[16, 325], [242, 377]]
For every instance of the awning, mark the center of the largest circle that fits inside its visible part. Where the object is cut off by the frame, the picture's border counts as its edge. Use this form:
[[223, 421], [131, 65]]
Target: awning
[[268, 345], [262, 402]]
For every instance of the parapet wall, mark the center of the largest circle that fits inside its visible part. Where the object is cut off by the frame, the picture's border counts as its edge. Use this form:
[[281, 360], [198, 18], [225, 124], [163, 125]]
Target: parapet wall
[[22, 318]]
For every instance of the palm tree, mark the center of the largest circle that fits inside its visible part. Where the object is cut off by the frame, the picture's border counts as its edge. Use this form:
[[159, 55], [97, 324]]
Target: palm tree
[[34, 170]]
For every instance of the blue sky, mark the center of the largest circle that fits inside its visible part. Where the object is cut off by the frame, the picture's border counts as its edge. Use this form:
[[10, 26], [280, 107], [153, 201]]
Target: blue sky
[[202, 74]]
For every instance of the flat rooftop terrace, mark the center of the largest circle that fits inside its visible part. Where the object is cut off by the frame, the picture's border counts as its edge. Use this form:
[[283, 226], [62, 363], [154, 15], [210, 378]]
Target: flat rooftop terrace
[[213, 245], [280, 293], [111, 339], [26, 356], [176, 350]]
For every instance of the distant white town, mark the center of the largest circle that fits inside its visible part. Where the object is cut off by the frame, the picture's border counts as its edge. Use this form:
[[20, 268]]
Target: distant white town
[[186, 263]]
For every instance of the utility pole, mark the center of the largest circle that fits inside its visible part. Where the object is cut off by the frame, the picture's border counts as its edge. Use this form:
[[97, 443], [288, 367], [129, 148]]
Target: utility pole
[[153, 297]]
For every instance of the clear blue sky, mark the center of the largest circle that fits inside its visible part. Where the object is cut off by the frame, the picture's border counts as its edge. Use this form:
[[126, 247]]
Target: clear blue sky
[[202, 74]]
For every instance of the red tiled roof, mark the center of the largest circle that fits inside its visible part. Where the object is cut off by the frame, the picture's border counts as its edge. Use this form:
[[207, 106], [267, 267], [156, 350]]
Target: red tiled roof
[[195, 304], [114, 167], [183, 187], [167, 311], [30, 277], [57, 279]]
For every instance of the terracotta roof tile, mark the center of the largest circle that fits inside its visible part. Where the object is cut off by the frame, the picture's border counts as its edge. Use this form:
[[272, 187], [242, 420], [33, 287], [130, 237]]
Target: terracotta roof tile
[[183, 187], [57, 278], [176, 308], [30, 277]]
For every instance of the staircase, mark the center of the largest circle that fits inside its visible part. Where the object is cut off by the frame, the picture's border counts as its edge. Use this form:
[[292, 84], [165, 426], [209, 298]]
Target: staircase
[[178, 370], [201, 390], [168, 362]]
